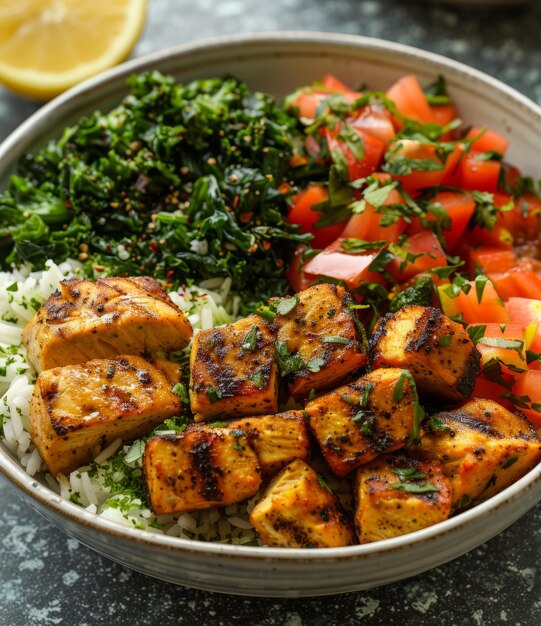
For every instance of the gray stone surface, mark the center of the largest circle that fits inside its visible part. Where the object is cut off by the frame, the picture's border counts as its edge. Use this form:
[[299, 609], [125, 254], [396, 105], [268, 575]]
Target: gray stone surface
[[47, 578]]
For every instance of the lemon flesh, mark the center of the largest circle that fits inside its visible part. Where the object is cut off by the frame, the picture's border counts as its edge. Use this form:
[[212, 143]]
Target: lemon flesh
[[47, 46]]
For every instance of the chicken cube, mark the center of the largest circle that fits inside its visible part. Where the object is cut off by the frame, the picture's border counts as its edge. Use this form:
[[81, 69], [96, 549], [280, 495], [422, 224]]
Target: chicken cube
[[87, 320], [437, 351], [234, 371], [276, 439], [396, 495], [483, 447], [298, 510], [199, 469], [319, 343], [353, 424], [78, 409]]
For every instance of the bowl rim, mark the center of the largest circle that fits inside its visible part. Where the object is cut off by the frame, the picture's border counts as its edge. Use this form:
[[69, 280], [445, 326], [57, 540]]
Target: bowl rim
[[46, 496]]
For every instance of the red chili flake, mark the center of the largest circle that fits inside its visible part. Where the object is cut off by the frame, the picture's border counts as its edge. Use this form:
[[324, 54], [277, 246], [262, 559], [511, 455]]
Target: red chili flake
[[170, 273], [154, 246]]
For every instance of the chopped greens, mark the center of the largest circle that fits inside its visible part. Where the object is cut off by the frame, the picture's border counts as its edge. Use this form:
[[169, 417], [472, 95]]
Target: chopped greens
[[183, 181]]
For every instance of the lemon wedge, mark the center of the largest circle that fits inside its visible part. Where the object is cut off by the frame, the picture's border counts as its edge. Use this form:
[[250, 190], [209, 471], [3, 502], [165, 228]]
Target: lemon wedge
[[47, 46]]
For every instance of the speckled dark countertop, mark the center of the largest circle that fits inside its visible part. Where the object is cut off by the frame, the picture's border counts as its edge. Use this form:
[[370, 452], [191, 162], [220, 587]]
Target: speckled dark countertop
[[47, 578]]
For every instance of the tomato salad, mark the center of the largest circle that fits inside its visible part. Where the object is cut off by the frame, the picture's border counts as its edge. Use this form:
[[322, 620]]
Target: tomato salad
[[407, 205]]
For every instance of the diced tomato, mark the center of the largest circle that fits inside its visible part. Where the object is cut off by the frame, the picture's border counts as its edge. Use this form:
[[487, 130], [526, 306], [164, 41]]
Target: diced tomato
[[497, 237], [366, 225], [459, 206], [310, 99], [331, 82], [425, 244], [513, 355], [500, 236], [520, 281], [350, 268], [295, 274], [308, 102], [523, 221], [373, 152], [527, 312], [382, 177], [479, 175], [511, 175], [301, 213], [376, 121], [489, 141], [488, 259], [410, 100], [413, 149], [444, 114], [490, 390], [528, 386], [490, 308]]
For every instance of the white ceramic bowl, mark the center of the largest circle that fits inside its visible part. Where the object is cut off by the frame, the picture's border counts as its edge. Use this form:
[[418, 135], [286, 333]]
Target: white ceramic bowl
[[278, 63]]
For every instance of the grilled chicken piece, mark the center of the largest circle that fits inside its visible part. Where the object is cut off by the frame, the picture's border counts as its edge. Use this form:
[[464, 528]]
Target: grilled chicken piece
[[87, 320], [396, 495], [233, 370], [276, 439], [318, 339], [355, 423], [201, 468], [437, 351], [298, 510], [78, 409], [483, 446]]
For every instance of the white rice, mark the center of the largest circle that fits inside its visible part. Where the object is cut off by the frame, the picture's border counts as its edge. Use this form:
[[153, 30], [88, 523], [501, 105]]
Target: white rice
[[21, 293]]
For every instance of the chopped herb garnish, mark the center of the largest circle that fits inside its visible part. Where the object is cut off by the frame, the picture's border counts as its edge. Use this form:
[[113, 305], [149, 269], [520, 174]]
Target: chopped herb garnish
[[324, 483], [416, 487], [464, 502], [510, 461], [436, 93], [480, 284], [286, 305], [259, 379], [445, 341], [436, 424], [214, 394], [476, 333], [338, 340], [287, 363], [181, 391], [250, 340], [409, 473], [421, 294], [418, 411], [499, 342]]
